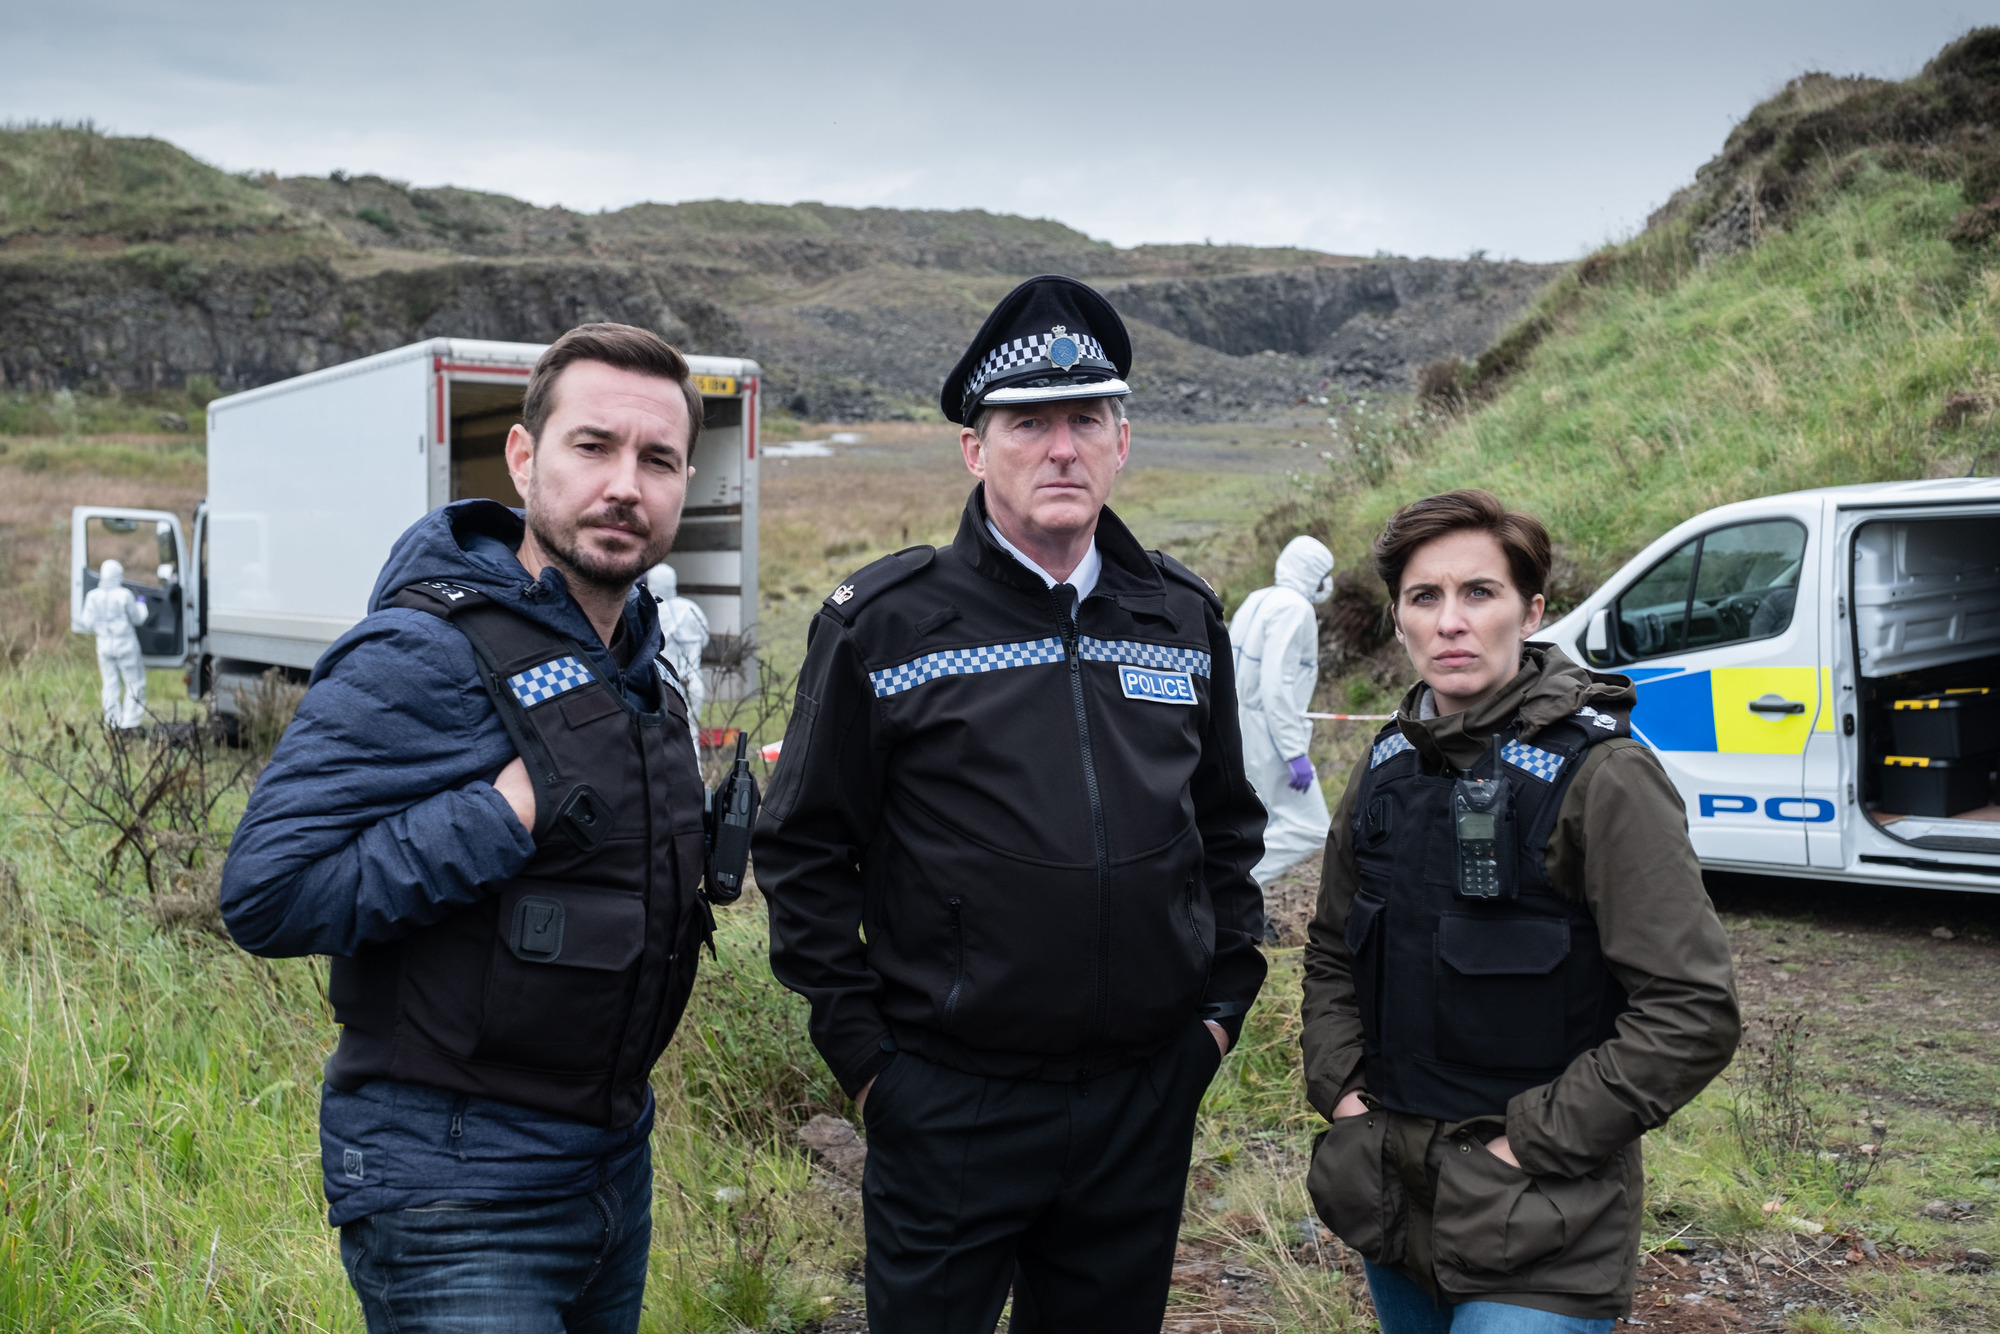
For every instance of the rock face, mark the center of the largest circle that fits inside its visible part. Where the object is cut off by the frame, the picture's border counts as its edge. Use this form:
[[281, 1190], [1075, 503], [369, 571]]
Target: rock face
[[1368, 323], [854, 313], [138, 325]]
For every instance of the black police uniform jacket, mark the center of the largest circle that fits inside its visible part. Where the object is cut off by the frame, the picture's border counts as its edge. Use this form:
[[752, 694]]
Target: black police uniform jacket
[[1038, 821]]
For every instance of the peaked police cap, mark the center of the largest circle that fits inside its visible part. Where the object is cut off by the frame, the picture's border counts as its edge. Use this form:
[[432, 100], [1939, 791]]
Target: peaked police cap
[[1050, 338]]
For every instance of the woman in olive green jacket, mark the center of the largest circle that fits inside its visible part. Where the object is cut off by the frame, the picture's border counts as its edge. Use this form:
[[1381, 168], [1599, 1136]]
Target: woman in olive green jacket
[[1505, 986]]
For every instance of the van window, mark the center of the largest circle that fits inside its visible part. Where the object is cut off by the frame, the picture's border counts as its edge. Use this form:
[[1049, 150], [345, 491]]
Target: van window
[[1652, 613], [1734, 584]]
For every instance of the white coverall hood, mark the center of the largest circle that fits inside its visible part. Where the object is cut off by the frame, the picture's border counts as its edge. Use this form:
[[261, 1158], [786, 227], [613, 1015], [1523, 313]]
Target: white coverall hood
[[663, 583], [1306, 567], [111, 574]]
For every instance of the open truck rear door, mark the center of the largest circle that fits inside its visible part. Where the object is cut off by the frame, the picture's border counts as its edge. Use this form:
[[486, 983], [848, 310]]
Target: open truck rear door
[[152, 547]]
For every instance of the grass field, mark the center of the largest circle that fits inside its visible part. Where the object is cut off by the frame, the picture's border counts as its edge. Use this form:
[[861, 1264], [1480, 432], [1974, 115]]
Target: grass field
[[157, 1087]]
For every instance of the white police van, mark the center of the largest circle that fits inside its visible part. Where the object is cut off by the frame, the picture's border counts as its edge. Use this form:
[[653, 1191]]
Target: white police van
[[1820, 674]]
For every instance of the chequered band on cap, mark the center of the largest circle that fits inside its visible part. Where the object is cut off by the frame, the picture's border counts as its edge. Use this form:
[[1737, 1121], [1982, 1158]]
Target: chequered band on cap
[[1013, 355], [1030, 653], [540, 684]]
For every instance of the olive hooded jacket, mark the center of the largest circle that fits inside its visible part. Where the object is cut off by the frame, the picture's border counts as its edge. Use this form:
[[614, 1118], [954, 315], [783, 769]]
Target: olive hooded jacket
[[1561, 1232]]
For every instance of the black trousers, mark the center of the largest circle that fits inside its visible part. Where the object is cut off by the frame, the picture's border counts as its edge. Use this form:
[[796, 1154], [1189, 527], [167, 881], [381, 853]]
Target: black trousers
[[1070, 1193]]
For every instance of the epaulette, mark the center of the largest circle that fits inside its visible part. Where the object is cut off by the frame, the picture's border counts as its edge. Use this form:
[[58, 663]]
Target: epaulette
[[1601, 726], [1173, 569], [439, 597], [871, 579]]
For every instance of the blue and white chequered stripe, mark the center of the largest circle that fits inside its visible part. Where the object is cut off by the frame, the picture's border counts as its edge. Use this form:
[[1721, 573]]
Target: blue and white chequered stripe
[[1030, 653], [1532, 760], [1388, 748], [545, 682], [963, 662], [1130, 651]]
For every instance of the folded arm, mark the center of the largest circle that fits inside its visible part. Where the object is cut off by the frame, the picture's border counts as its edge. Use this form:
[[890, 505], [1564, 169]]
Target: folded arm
[[377, 814]]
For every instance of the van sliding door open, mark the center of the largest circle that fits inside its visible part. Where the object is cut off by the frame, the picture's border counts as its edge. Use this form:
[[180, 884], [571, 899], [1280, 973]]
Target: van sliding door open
[[1926, 649]]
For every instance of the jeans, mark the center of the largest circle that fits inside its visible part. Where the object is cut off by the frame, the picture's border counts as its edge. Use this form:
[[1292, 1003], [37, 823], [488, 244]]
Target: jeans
[[1404, 1308], [565, 1266]]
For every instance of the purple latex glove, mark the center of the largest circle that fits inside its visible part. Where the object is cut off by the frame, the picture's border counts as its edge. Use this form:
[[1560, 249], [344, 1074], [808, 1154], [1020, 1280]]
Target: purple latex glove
[[1302, 774]]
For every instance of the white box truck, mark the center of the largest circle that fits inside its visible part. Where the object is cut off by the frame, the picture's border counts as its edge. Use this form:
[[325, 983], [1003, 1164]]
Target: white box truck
[[1820, 674], [311, 479]]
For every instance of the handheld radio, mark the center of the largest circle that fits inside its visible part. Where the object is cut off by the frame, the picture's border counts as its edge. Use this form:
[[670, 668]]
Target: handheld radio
[[732, 813], [1482, 820]]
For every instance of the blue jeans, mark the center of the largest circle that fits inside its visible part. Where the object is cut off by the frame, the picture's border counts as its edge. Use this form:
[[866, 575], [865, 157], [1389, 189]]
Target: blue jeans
[[566, 1266], [1405, 1308]]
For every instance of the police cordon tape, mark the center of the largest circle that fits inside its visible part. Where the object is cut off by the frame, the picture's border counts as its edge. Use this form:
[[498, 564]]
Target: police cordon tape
[[769, 754]]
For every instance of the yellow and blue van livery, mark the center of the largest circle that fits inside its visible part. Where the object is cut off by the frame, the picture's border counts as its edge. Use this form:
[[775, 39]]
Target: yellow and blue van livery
[[1760, 635]]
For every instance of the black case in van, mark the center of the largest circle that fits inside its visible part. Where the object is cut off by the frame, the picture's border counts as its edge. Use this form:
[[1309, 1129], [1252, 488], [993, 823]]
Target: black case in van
[[1948, 725], [1936, 787]]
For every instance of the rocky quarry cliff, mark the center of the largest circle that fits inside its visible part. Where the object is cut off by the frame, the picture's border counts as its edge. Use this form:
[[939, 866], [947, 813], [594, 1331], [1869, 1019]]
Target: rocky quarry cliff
[[127, 263]]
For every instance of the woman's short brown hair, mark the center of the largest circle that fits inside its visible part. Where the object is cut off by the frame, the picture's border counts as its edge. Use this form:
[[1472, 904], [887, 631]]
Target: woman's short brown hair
[[1520, 535], [621, 346]]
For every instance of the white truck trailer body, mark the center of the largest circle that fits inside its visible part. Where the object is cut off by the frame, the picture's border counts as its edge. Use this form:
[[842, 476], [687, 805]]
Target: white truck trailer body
[[312, 479]]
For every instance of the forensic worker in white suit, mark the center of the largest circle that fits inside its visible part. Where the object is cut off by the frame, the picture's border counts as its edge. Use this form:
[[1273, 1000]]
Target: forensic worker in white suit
[[114, 614], [1276, 640], [685, 628]]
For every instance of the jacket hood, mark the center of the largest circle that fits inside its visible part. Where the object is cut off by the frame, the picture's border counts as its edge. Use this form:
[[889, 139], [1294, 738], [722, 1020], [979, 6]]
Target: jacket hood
[[472, 543], [1548, 688], [111, 575], [1303, 566]]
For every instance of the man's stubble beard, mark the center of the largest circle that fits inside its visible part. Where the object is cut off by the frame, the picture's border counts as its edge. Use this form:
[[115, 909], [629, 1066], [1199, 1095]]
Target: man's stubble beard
[[566, 552]]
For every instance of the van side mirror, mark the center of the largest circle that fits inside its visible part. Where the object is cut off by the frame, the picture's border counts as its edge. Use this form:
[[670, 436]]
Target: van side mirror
[[1597, 637]]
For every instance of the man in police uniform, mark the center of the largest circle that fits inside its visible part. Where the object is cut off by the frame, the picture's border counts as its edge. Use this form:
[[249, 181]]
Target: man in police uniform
[[1007, 856]]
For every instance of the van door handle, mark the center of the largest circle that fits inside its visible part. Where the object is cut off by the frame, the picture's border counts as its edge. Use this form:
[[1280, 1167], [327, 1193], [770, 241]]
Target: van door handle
[[1776, 704]]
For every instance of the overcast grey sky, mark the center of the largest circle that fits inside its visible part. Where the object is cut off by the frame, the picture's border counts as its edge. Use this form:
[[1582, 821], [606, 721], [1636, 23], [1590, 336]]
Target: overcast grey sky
[[1532, 130]]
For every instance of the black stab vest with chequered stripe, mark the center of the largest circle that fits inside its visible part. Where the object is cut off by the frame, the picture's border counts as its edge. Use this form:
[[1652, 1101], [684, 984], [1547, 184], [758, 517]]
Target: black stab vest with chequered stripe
[[560, 989], [1465, 1003]]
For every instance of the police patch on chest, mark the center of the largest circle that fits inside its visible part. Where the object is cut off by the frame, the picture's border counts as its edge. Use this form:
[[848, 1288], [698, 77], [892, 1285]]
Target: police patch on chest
[[1156, 686]]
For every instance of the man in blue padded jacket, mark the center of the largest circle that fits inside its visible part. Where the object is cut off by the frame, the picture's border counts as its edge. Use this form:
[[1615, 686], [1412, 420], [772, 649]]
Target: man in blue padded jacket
[[489, 813]]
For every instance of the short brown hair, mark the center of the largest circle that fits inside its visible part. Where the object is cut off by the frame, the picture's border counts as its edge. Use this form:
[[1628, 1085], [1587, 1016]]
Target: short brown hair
[[1520, 535], [618, 345]]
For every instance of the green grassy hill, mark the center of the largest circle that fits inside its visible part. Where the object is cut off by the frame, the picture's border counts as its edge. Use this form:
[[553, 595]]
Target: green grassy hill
[[1818, 307]]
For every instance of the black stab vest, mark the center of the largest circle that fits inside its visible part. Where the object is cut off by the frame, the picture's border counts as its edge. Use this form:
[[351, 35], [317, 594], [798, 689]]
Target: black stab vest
[[1465, 1003], [560, 989]]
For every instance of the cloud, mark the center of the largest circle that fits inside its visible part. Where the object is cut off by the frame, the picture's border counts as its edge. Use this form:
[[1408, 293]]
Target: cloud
[[1534, 130]]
